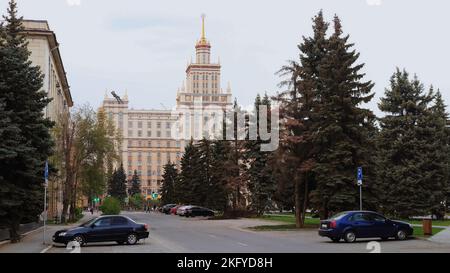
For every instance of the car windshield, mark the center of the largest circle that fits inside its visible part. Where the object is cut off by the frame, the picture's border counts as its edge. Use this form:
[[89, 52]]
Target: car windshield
[[88, 223], [339, 216]]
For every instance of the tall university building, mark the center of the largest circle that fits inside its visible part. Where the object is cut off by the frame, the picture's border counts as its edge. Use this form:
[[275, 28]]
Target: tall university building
[[148, 142]]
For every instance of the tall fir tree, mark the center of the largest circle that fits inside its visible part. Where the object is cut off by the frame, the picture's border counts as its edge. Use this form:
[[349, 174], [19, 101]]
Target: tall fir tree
[[412, 153], [259, 171], [118, 185], [23, 126], [135, 184], [168, 184], [218, 188], [342, 142], [298, 110], [188, 177]]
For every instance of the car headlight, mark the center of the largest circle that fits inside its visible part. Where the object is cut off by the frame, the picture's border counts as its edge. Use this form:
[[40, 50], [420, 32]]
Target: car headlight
[[63, 234], [411, 226]]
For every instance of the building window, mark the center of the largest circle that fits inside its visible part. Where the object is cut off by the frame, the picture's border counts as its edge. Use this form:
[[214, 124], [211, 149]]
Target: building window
[[139, 133], [140, 124], [149, 133], [130, 124], [158, 125], [130, 133], [168, 144], [158, 134], [149, 144], [168, 134]]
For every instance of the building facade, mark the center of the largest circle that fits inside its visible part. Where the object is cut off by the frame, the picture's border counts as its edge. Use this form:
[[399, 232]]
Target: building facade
[[44, 48], [149, 141]]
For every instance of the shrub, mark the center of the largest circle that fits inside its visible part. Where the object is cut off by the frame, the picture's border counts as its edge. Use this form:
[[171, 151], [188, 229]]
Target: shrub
[[111, 206], [137, 201]]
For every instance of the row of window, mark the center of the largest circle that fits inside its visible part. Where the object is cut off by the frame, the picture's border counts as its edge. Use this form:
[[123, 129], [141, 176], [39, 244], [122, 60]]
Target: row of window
[[205, 77], [149, 134], [159, 125], [139, 143]]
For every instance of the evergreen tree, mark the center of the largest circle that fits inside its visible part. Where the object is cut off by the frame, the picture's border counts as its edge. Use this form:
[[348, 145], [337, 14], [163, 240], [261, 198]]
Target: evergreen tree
[[412, 153], [218, 189], [298, 110], [342, 140], [260, 179], [135, 185], [26, 141], [204, 182], [118, 185], [189, 176], [438, 154], [168, 184]]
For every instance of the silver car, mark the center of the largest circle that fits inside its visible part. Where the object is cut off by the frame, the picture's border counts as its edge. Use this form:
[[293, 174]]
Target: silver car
[[181, 211]]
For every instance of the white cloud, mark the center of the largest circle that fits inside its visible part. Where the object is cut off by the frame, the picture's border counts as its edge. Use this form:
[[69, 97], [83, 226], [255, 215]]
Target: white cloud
[[374, 2], [72, 3]]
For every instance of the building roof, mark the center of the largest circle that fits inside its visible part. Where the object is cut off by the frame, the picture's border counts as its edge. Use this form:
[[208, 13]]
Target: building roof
[[41, 28]]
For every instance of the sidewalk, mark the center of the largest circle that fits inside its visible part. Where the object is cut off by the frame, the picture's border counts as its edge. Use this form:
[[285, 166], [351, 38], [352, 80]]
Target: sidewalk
[[33, 241], [442, 237]]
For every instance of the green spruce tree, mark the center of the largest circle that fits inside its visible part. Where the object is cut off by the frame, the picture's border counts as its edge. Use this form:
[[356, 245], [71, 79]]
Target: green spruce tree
[[135, 184], [259, 171], [188, 178], [118, 185], [298, 109], [168, 184], [412, 153], [342, 142], [23, 128]]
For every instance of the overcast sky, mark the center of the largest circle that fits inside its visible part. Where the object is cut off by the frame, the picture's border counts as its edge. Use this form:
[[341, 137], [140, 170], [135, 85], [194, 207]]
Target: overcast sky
[[143, 45]]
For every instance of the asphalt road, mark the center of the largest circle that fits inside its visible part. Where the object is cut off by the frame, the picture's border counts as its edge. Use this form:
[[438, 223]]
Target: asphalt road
[[181, 235]]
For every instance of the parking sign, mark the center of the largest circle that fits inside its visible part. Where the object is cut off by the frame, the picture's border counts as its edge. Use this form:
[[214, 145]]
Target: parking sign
[[360, 176]]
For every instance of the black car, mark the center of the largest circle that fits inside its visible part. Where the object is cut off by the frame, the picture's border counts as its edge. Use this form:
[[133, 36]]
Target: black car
[[351, 225], [194, 211], [166, 208], [120, 229]]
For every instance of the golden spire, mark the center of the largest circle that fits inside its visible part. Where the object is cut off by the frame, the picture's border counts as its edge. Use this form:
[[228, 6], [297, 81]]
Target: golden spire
[[203, 27]]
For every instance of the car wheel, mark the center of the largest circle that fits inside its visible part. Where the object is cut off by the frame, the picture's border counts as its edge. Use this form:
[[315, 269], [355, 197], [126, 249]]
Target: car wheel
[[335, 240], [132, 239], [401, 235], [79, 239], [350, 237]]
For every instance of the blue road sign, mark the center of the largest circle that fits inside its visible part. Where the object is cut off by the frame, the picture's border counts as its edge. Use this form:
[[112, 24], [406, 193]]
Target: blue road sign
[[360, 176], [46, 172]]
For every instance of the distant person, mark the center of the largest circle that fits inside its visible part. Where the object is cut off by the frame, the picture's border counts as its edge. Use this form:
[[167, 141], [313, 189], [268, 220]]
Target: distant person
[[92, 211]]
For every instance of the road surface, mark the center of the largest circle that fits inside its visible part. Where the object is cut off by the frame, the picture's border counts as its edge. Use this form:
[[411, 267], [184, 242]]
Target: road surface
[[170, 234]]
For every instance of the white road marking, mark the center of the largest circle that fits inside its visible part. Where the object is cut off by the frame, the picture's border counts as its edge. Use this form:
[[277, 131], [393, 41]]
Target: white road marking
[[242, 244], [212, 236], [47, 249]]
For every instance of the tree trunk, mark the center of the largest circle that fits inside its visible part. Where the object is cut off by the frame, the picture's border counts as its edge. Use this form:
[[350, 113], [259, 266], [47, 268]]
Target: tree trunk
[[299, 221], [14, 232]]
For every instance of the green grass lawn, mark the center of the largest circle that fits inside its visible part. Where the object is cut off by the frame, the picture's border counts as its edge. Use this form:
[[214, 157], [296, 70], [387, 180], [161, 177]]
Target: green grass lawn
[[444, 223], [288, 223], [418, 232], [290, 219]]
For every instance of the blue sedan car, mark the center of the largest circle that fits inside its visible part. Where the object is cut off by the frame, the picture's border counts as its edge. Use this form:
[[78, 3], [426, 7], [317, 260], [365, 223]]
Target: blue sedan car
[[352, 225], [120, 229]]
